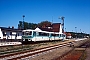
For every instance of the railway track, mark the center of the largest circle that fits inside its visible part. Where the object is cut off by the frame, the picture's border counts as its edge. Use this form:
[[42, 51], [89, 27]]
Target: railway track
[[32, 53]]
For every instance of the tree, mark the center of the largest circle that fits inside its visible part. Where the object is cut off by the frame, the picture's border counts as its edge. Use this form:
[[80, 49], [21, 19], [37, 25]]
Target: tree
[[26, 25], [20, 25], [32, 25], [44, 23]]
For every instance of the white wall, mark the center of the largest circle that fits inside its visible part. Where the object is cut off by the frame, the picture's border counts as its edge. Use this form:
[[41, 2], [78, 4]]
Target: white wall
[[60, 29], [1, 35]]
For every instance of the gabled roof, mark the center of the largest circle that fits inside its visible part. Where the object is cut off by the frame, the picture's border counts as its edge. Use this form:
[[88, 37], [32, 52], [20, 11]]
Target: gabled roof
[[45, 29], [38, 29], [56, 23], [10, 29]]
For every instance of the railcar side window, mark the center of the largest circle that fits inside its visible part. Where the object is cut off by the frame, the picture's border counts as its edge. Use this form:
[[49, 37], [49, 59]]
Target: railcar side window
[[63, 35], [57, 34], [23, 33], [43, 34], [37, 33], [34, 33], [60, 35], [53, 34]]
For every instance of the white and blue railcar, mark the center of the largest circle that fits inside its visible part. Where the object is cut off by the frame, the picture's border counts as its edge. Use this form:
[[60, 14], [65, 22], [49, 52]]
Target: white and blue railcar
[[33, 35]]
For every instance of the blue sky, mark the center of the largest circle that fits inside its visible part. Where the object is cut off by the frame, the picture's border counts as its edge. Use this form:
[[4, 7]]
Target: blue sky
[[76, 12]]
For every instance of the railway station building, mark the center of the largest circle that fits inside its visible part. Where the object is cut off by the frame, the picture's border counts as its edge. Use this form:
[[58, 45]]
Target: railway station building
[[10, 34], [55, 27]]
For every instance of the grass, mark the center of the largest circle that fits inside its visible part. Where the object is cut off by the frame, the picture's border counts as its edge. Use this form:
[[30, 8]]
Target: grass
[[12, 49]]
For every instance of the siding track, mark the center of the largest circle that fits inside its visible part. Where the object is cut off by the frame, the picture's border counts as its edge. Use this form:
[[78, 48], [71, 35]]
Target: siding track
[[32, 53]]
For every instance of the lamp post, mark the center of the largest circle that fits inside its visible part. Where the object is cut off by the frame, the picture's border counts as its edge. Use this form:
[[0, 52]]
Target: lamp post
[[76, 29], [62, 18], [80, 30], [83, 34], [76, 32], [23, 20], [65, 30], [72, 30]]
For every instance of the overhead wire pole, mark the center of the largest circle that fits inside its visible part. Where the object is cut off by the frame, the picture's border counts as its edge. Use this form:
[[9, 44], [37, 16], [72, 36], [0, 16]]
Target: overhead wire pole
[[62, 18], [23, 27], [23, 21], [52, 19]]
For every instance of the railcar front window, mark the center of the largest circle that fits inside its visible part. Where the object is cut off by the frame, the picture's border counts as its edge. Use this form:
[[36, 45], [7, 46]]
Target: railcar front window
[[30, 33], [27, 33]]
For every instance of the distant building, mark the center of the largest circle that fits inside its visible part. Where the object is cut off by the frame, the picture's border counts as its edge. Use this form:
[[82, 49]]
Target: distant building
[[68, 35], [10, 34]]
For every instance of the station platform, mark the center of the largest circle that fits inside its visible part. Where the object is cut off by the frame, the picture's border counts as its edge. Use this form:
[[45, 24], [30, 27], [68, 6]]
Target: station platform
[[9, 43]]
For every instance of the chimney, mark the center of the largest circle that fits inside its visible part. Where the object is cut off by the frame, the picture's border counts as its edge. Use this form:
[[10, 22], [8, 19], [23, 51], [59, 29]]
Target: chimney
[[8, 26], [12, 27]]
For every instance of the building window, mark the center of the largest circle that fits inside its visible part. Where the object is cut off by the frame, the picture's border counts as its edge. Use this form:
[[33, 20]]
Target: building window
[[10, 33], [18, 34], [4, 34]]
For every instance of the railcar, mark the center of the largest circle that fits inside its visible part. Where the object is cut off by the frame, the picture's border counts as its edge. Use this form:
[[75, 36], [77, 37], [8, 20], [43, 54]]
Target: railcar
[[33, 35]]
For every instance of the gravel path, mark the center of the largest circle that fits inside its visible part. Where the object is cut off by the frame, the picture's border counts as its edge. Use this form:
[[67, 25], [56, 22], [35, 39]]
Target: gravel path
[[57, 53], [88, 52], [53, 54]]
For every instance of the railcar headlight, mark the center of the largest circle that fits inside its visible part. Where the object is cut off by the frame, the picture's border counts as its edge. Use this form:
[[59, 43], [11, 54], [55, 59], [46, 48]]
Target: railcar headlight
[[29, 39], [23, 39]]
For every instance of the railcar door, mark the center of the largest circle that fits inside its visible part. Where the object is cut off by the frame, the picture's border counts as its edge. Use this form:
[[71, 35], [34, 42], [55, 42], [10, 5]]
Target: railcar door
[[50, 36], [34, 36]]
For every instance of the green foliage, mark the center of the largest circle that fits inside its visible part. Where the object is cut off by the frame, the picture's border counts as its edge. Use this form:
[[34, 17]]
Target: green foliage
[[20, 25], [47, 23], [27, 25]]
